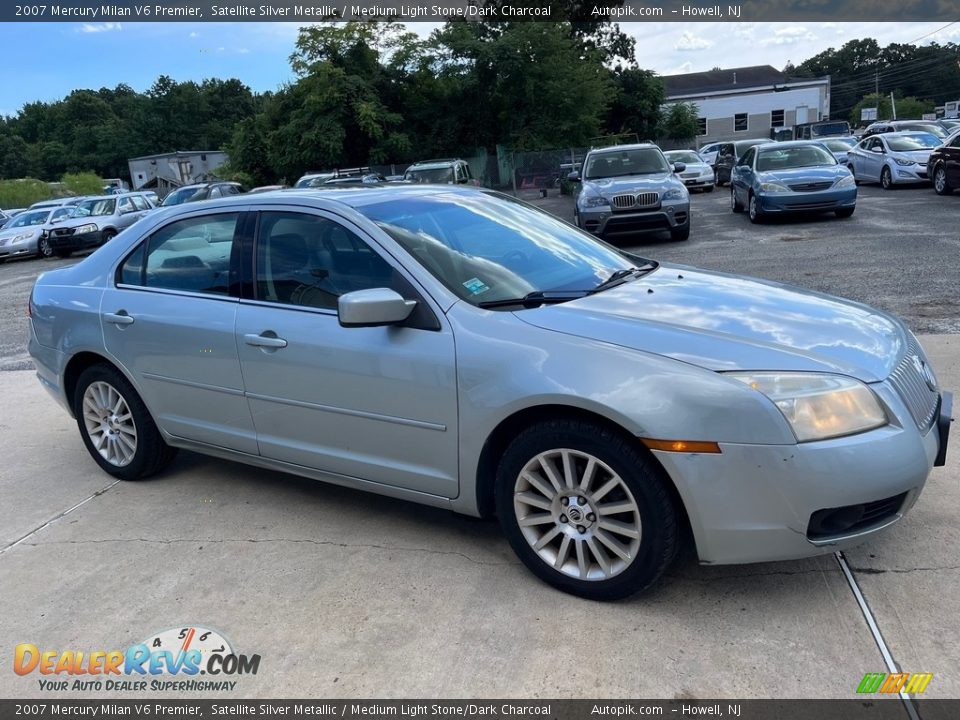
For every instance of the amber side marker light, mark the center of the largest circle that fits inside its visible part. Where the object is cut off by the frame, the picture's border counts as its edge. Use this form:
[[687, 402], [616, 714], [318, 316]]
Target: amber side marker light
[[683, 446]]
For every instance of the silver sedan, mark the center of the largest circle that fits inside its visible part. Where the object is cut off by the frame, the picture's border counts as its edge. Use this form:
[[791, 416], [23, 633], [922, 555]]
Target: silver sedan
[[892, 158], [459, 348], [22, 236]]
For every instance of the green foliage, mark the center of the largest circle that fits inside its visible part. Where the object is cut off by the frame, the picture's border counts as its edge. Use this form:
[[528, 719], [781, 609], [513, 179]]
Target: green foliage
[[23, 192], [680, 122], [85, 183], [636, 104], [907, 108]]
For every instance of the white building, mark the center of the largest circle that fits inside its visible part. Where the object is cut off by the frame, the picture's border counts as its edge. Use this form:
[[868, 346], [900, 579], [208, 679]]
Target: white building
[[747, 102], [168, 171]]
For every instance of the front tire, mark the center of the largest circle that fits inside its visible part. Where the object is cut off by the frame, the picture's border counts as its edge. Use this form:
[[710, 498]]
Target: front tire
[[116, 426], [753, 209], [107, 235], [586, 510], [886, 178], [940, 184], [44, 249]]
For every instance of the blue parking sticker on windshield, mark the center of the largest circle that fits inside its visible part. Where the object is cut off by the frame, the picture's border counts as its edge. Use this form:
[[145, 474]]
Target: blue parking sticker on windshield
[[475, 286]]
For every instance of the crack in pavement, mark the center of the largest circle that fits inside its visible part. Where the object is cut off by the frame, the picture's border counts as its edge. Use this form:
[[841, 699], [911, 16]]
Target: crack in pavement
[[881, 571], [308, 541]]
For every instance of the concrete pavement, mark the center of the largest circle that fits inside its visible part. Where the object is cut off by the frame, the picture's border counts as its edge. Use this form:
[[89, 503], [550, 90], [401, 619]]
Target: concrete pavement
[[345, 594]]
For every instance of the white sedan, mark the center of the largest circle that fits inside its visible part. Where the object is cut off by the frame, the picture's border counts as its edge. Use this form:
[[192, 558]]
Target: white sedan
[[892, 158]]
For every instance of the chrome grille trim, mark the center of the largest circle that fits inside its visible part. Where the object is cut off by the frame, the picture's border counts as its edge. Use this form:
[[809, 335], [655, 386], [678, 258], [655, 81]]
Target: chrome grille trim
[[641, 200], [910, 384]]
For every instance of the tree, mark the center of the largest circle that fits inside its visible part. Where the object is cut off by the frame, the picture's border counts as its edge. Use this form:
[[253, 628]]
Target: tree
[[637, 100], [680, 122], [907, 107]]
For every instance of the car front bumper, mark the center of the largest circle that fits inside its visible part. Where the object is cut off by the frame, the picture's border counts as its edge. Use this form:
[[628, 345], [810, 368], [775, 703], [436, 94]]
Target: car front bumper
[[759, 503], [73, 241], [909, 174], [698, 181], [19, 249], [821, 201], [606, 222]]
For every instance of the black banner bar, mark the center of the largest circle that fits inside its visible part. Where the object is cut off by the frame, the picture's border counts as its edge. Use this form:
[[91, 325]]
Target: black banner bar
[[623, 11], [866, 708]]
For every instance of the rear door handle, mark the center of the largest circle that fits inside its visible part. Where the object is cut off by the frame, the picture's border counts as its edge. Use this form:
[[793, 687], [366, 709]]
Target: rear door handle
[[265, 341], [118, 318]]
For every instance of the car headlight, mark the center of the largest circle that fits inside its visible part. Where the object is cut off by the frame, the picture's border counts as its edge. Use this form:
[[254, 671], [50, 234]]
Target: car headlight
[[592, 201], [845, 181], [21, 237], [675, 194], [904, 161], [88, 228], [706, 172], [819, 406], [774, 187]]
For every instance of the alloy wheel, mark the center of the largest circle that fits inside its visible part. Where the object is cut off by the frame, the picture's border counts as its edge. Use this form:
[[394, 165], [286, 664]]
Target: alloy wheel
[[109, 424], [44, 248], [577, 514], [886, 179], [940, 180]]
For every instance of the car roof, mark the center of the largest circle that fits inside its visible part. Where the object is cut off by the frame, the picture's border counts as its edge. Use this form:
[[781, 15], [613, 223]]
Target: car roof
[[432, 164], [619, 148]]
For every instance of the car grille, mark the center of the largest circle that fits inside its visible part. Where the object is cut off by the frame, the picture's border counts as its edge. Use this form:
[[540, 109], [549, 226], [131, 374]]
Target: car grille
[[62, 232], [811, 187], [690, 174], [642, 200], [909, 382]]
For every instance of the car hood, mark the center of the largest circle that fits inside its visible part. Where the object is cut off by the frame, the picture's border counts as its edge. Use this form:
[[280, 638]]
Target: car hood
[[78, 221], [806, 174], [726, 322], [631, 183]]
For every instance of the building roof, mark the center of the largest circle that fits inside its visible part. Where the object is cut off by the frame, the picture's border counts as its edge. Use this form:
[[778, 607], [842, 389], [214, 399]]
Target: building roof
[[728, 79], [176, 153]]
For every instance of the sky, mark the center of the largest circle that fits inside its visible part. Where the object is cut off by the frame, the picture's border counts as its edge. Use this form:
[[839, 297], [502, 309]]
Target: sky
[[46, 61]]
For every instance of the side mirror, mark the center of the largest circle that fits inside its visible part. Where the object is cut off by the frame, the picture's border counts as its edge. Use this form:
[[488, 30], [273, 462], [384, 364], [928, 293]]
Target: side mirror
[[373, 308], [679, 167], [574, 176]]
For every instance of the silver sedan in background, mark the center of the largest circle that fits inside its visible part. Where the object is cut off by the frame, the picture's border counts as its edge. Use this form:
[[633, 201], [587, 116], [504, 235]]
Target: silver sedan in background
[[459, 348], [895, 158], [22, 236], [697, 173]]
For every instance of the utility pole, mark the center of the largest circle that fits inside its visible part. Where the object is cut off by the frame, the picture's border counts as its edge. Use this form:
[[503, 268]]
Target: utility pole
[[893, 104]]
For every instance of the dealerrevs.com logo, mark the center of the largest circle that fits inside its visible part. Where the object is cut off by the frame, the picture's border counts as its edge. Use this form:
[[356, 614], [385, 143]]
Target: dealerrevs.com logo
[[171, 660]]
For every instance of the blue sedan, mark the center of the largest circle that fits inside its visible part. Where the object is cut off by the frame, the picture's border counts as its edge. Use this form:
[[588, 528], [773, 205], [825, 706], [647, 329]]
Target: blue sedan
[[791, 177]]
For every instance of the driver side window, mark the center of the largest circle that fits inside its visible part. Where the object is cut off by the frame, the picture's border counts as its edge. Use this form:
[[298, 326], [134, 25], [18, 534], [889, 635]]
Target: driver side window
[[311, 261]]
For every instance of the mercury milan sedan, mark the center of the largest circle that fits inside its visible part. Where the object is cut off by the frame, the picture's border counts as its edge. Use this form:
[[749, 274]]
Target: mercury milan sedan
[[456, 347], [627, 189]]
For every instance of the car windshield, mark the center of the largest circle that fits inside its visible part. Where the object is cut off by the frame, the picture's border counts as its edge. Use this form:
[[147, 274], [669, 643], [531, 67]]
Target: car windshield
[[685, 156], [744, 145], [840, 144], [907, 143], [487, 247], [620, 163], [180, 196], [430, 175], [834, 128], [103, 206], [797, 156], [28, 219]]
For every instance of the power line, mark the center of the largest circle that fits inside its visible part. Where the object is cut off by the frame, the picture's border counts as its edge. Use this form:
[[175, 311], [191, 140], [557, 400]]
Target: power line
[[922, 37]]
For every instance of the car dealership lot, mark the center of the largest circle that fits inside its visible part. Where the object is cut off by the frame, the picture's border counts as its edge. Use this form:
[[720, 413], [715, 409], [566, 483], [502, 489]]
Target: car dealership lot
[[345, 594]]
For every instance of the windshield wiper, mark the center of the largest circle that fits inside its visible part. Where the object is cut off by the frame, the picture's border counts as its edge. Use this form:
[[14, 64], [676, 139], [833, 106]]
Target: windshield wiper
[[621, 276], [537, 298]]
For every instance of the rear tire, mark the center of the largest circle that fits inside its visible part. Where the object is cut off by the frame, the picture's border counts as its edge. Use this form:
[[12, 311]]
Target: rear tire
[[116, 426], [735, 205], [586, 510]]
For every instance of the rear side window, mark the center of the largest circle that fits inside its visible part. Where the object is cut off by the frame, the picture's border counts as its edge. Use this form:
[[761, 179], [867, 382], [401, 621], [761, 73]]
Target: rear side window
[[193, 255]]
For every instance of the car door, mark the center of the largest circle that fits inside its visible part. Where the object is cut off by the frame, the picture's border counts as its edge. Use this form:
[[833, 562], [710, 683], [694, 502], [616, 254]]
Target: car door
[[377, 403], [741, 179], [951, 158], [127, 213], [169, 320]]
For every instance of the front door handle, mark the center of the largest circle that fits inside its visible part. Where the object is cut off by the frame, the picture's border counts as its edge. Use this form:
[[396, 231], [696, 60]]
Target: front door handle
[[118, 318], [266, 341]]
